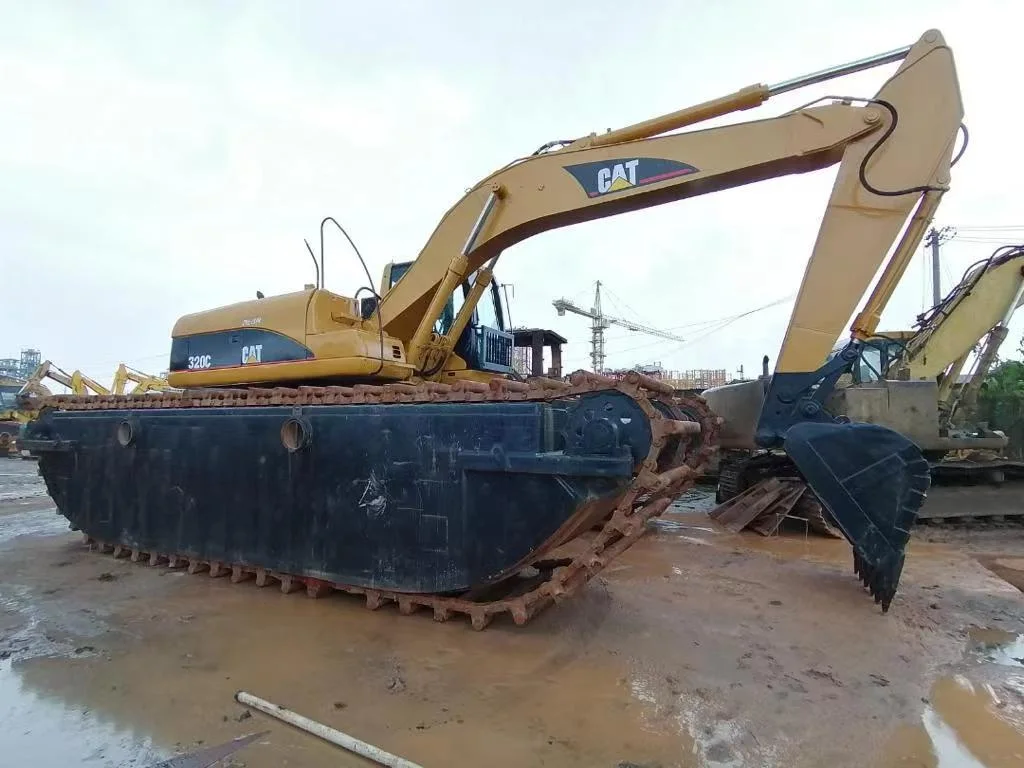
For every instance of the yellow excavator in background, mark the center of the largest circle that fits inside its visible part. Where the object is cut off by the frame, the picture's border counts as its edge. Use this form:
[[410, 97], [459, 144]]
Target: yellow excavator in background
[[384, 446], [80, 384], [19, 402], [144, 382], [973, 318], [77, 382], [909, 381], [9, 414]]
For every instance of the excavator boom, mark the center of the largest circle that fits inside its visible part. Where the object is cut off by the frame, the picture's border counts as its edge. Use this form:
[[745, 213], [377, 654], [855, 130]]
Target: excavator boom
[[901, 141]]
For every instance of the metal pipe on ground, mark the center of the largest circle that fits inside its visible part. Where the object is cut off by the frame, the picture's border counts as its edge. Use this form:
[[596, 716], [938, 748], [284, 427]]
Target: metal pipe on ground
[[324, 732]]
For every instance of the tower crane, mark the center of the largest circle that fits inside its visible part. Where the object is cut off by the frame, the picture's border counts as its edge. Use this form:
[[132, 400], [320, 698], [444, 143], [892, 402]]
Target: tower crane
[[600, 321]]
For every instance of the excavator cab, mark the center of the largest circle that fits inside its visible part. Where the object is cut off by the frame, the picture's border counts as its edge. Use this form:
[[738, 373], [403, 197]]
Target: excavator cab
[[877, 356], [486, 343]]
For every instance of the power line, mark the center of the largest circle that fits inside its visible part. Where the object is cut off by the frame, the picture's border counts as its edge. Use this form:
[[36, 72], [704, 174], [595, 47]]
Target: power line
[[615, 300], [674, 347], [696, 327], [702, 324], [987, 240], [738, 317], [989, 227], [721, 324]]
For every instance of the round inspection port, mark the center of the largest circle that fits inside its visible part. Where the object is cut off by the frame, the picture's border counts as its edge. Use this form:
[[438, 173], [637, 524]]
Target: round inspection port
[[295, 434], [125, 434]]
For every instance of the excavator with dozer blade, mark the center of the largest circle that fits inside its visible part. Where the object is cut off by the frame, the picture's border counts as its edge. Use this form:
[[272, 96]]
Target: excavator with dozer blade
[[383, 445]]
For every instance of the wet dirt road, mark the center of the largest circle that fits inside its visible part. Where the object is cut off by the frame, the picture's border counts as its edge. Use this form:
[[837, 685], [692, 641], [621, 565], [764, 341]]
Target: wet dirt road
[[697, 648]]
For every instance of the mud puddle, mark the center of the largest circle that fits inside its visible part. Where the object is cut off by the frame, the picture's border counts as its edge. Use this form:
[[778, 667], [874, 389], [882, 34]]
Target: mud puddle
[[720, 738], [792, 541], [973, 719], [36, 520], [20, 480], [1010, 568], [997, 646], [435, 693], [700, 498], [695, 527], [43, 731]]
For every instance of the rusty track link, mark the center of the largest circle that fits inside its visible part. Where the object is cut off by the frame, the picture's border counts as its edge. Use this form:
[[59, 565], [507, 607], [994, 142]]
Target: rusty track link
[[666, 472]]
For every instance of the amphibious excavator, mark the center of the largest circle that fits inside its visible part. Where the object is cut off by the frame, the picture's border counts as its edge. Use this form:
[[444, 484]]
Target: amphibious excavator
[[381, 444], [909, 381]]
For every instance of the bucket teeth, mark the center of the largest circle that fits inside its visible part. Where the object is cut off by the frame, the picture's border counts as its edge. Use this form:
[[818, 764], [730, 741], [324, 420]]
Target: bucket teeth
[[879, 579]]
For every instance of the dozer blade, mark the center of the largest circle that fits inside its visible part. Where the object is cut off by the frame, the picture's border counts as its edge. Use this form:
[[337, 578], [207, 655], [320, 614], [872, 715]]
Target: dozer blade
[[873, 481]]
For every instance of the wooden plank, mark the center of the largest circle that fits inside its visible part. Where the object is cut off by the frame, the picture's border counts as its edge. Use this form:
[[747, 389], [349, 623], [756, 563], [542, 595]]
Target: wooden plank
[[772, 518], [741, 510]]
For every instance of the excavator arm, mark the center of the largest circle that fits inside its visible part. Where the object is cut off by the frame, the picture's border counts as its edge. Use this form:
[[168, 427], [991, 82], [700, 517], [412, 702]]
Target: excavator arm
[[77, 382], [980, 305], [143, 381], [34, 387]]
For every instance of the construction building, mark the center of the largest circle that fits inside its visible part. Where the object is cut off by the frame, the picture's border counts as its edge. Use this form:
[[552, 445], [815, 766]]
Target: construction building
[[694, 379], [20, 368]]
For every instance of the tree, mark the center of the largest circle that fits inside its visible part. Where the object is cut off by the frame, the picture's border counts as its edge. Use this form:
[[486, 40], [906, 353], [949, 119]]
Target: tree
[[1001, 399]]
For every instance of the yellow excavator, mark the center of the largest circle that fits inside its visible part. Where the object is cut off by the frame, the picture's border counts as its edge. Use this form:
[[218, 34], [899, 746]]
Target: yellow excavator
[[24, 399], [9, 413], [144, 382], [77, 382], [973, 318], [18, 399], [80, 384], [382, 445], [909, 381]]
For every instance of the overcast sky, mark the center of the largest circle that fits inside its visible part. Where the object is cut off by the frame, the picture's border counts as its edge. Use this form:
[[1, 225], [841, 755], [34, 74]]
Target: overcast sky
[[162, 158]]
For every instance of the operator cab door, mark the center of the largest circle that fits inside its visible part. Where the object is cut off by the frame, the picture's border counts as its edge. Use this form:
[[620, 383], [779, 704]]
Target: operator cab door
[[486, 343], [877, 354]]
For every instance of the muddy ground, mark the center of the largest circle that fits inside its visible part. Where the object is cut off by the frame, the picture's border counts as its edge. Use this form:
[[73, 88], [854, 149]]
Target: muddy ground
[[697, 648]]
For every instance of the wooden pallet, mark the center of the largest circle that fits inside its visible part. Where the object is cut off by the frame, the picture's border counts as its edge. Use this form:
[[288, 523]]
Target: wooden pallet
[[764, 506]]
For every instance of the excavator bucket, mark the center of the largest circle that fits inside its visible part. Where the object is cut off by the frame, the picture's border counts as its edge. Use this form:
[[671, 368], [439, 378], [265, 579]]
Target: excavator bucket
[[873, 481]]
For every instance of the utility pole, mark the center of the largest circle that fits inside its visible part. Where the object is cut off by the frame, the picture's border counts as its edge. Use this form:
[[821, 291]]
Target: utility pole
[[937, 237]]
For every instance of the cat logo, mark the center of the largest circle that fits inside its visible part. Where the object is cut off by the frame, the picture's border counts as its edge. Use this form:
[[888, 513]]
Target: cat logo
[[616, 177], [252, 354], [598, 179]]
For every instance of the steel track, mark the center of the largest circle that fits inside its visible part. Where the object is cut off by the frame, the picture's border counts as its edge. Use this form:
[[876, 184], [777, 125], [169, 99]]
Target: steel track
[[682, 444]]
